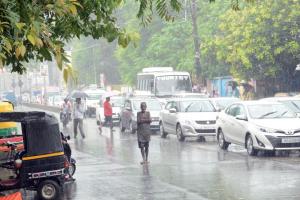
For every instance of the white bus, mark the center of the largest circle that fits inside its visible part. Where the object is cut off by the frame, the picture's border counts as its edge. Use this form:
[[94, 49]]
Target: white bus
[[163, 81]]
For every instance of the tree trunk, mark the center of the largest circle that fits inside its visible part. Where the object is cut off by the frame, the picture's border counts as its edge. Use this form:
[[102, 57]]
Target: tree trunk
[[196, 38]]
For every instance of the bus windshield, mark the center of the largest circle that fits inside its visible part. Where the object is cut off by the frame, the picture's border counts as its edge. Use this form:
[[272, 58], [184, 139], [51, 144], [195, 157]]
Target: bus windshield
[[169, 84]]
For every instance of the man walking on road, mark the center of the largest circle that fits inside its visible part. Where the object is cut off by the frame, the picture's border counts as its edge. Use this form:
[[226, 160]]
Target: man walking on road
[[143, 131], [78, 117], [108, 113]]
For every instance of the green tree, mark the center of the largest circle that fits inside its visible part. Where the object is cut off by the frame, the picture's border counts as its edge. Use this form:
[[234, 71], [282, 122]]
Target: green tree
[[171, 44], [262, 40], [38, 29], [91, 57]]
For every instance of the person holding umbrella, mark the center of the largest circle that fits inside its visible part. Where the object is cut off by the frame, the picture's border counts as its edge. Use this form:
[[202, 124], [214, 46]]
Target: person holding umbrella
[[78, 112]]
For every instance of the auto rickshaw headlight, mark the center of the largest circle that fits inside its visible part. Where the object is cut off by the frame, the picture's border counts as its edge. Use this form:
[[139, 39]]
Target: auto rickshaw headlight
[[66, 163]]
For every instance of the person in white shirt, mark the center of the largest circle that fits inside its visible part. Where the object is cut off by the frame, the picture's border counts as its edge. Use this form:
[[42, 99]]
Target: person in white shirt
[[78, 114]]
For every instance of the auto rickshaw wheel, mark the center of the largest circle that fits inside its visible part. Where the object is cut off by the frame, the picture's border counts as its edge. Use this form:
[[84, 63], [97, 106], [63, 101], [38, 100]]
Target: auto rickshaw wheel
[[72, 169], [48, 190]]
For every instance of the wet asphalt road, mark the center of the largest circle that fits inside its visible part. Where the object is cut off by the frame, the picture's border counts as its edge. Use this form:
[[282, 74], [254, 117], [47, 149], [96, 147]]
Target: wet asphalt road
[[108, 168]]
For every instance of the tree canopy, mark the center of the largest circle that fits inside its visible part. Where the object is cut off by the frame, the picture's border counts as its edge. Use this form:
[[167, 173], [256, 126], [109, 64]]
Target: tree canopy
[[259, 41], [33, 29]]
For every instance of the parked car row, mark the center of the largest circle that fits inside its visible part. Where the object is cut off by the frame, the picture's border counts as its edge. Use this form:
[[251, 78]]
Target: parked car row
[[268, 124]]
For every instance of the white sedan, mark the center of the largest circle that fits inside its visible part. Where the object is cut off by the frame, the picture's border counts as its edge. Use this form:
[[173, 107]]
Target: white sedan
[[188, 118], [259, 125]]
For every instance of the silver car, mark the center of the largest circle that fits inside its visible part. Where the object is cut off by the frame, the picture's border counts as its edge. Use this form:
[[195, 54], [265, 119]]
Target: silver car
[[188, 118], [259, 125]]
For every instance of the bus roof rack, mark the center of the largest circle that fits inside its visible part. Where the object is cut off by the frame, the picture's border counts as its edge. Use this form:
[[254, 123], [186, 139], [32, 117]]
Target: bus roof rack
[[157, 69]]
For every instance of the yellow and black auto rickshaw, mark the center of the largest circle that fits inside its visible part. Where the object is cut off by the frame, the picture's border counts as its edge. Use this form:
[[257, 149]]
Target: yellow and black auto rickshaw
[[7, 128], [41, 165]]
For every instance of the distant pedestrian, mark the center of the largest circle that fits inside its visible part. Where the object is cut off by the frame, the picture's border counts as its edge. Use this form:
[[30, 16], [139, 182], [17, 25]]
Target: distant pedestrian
[[126, 115], [108, 113], [78, 112], [143, 131]]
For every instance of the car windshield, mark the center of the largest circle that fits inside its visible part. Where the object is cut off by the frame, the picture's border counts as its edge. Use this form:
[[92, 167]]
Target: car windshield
[[168, 85], [117, 102], [196, 106], [152, 105], [270, 111], [223, 103], [94, 96], [294, 105]]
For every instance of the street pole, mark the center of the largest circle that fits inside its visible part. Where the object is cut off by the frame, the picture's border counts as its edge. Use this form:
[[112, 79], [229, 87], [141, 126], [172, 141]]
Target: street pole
[[94, 67], [20, 83], [196, 39], [30, 90]]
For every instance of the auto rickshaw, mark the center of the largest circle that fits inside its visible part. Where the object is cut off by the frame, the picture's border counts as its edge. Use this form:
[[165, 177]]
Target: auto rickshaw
[[8, 131], [41, 165], [7, 128]]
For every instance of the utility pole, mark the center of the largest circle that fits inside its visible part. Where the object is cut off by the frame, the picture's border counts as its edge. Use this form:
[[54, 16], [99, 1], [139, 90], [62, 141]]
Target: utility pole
[[20, 84], [94, 66], [196, 39]]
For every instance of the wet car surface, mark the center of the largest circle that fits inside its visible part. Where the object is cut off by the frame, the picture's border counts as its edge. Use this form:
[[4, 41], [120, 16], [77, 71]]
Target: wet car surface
[[108, 168]]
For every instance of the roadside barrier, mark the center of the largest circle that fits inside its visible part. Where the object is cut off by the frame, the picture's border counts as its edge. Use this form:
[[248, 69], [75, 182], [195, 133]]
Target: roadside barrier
[[42, 107]]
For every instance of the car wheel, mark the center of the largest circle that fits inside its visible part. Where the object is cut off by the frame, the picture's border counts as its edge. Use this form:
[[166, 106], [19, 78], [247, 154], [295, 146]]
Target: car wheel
[[48, 190], [221, 140], [250, 148], [179, 133], [163, 133]]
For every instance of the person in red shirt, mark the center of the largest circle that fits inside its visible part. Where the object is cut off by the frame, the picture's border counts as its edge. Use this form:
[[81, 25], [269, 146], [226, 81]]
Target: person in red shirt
[[108, 113]]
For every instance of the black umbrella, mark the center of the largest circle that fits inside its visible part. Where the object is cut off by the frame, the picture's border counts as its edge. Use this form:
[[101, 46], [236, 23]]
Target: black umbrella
[[78, 94]]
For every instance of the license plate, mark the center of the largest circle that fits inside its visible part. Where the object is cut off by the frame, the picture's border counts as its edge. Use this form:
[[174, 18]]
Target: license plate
[[207, 127], [291, 140], [155, 123]]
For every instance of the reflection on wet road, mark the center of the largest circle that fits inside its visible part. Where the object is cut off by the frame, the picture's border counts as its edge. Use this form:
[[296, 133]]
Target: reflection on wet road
[[108, 168]]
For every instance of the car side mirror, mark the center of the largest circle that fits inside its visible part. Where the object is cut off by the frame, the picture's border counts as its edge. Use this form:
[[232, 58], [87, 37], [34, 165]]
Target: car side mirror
[[241, 117], [172, 110], [298, 115], [218, 109], [68, 137]]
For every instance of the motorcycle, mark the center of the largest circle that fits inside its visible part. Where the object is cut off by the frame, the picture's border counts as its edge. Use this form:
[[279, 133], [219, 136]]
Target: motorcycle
[[71, 162]]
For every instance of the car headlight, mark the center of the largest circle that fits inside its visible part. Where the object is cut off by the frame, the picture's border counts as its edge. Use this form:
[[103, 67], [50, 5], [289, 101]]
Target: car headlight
[[187, 122], [266, 130]]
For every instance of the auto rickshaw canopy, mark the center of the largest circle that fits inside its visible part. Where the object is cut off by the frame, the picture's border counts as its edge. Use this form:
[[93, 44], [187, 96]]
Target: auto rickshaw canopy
[[41, 135]]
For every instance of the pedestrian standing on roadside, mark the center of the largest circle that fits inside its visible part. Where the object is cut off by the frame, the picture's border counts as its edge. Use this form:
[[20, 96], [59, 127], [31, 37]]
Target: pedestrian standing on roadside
[[143, 131], [108, 113], [78, 113]]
